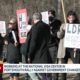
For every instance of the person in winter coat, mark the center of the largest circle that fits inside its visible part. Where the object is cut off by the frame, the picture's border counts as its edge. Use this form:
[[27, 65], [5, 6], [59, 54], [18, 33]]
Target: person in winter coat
[[54, 24], [37, 44], [12, 43], [37, 40], [65, 53]]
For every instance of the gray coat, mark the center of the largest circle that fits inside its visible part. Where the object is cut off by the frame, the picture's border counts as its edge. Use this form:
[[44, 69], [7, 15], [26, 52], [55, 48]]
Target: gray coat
[[61, 49]]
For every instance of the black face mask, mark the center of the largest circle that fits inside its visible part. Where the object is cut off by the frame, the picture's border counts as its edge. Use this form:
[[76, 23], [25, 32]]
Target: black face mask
[[51, 18]]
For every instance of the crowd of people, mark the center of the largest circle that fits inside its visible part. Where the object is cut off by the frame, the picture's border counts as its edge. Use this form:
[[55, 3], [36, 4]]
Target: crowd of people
[[44, 44]]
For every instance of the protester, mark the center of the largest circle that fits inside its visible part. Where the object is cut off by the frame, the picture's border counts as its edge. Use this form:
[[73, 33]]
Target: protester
[[54, 24], [12, 43], [1, 50], [23, 47], [54, 40], [37, 44], [65, 54]]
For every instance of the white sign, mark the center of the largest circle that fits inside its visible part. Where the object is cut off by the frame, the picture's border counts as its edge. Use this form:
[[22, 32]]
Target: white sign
[[14, 36], [45, 17], [28, 27], [72, 36], [23, 25], [2, 27]]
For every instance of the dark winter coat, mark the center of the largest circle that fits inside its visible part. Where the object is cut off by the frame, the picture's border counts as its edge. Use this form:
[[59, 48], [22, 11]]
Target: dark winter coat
[[13, 55], [37, 43], [54, 27]]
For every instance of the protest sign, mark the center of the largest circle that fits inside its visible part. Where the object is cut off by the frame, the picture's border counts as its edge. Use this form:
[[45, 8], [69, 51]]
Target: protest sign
[[45, 17], [72, 36], [22, 24], [2, 27], [14, 37]]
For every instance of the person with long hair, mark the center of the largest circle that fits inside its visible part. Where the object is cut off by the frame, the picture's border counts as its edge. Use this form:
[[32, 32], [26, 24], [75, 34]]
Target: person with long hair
[[65, 53], [13, 56]]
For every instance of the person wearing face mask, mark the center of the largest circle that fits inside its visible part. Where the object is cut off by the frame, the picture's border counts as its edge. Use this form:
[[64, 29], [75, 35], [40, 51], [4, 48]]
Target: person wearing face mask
[[65, 53], [54, 24]]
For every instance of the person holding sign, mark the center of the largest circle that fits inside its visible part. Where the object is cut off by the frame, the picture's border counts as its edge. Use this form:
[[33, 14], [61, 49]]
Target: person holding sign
[[12, 43], [65, 54]]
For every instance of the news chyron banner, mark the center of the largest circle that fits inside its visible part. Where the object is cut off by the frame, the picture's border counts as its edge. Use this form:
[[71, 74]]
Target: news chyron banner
[[39, 68], [72, 36], [22, 19]]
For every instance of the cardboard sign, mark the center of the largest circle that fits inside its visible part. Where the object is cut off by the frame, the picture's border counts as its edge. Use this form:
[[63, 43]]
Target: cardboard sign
[[72, 36], [45, 17], [2, 27], [22, 24]]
